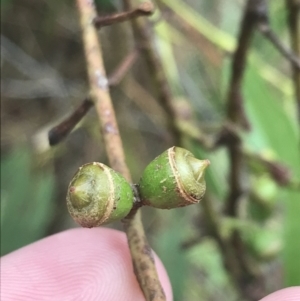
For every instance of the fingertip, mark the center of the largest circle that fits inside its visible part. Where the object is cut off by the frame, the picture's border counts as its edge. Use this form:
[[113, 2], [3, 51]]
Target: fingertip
[[286, 294], [82, 263]]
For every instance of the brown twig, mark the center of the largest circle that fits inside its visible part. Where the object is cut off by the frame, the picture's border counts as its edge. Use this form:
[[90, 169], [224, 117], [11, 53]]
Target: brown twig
[[119, 73], [243, 273], [293, 20], [228, 135], [235, 107], [284, 50], [141, 254], [150, 285], [236, 115], [148, 51], [59, 132], [264, 27], [144, 9], [278, 171]]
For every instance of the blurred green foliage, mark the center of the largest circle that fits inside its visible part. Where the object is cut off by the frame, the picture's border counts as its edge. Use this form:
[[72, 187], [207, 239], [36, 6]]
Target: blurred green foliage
[[26, 200]]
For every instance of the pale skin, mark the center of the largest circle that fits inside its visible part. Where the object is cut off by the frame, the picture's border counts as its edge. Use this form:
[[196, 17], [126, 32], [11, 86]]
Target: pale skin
[[83, 264]]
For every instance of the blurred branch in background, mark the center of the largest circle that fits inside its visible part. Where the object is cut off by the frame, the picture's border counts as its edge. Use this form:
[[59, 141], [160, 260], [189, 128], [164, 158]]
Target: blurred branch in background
[[120, 72], [144, 9], [59, 132], [245, 274], [266, 30], [235, 103], [142, 34], [293, 21]]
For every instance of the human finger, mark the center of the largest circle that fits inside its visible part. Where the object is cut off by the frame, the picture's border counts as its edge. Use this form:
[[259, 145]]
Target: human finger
[[78, 264], [286, 294]]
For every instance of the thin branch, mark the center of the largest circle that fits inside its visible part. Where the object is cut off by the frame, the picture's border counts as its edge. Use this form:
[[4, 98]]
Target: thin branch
[[144, 9], [293, 20], [279, 172], [284, 50], [235, 106], [148, 51], [190, 243], [225, 136], [228, 135], [119, 73], [141, 253], [236, 115], [134, 228], [243, 272], [264, 27], [59, 132]]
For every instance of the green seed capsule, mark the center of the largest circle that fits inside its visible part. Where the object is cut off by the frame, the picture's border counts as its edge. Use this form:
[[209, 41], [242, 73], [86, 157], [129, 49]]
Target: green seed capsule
[[173, 179], [97, 195]]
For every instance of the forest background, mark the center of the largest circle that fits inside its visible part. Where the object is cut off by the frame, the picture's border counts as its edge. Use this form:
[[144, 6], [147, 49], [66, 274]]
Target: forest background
[[195, 43]]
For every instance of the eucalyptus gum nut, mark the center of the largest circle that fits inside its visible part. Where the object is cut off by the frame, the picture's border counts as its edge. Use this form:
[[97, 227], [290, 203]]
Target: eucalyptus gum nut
[[98, 195], [173, 179]]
